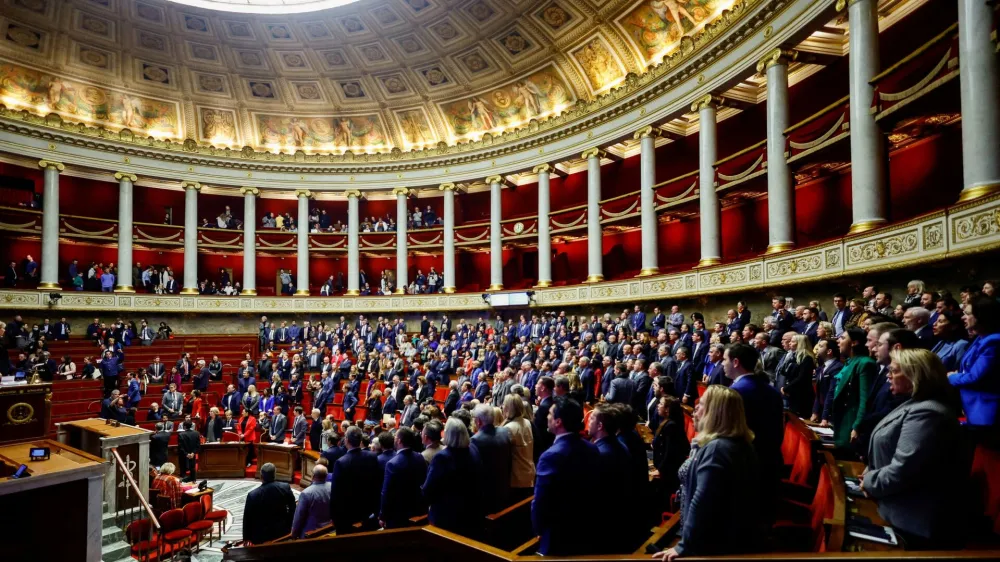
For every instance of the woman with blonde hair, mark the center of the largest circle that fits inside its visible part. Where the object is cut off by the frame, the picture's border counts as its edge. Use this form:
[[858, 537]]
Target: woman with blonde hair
[[798, 388], [576, 391], [251, 401], [914, 450], [722, 479], [522, 473]]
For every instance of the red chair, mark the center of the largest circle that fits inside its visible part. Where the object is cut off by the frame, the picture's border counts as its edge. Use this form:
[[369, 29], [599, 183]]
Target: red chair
[[173, 535], [139, 535], [218, 517], [195, 523]]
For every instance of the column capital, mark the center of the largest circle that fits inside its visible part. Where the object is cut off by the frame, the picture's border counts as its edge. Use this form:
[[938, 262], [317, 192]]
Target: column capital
[[190, 184], [299, 193], [841, 4], [448, 186], [494, 179], [46, 164], [352, 193], [776, 57], [251, 190], [593, 153], [404, 191], [126, 176], [542, 169], [648, 131], [706, 101]]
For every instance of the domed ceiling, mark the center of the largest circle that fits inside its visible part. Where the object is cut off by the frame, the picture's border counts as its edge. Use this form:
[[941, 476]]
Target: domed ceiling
[[368, 76]]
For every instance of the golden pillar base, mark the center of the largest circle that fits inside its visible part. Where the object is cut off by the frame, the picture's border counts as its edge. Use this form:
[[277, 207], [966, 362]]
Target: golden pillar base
[[543, 284], [708, 262], [46, 286], [865, 226], [594, 279], [647, 271], [971, 193], [496, 287], [189, 291], [352, 292], [399, 292], [248, 292], [124, 289], [302, 293], [778, 248], [449, 290]]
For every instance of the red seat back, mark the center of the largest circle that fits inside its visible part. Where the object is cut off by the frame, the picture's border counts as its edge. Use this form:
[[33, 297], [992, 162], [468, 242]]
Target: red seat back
[[790, 444], [802, 463], [986, 477], [822, 508], [689, 427], [192, 512], [206, 503], [138, 531], [171, 520]]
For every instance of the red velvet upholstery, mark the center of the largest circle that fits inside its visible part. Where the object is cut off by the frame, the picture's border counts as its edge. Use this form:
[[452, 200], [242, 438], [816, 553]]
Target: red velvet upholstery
[[138, 535], [218, 517], [193, 513], [986, 478], [172, 532]]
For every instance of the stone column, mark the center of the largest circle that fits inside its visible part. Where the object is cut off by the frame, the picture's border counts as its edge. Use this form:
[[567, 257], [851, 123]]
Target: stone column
[[49, 274], [449, 236], [353, 242], [125, 183], [302, 247], [980, 91], [191, 189], [249, 240], [647, 199], [402, 261], [496, 233], [544, 237], [868, 160], [595, 243], [711, 235], [780, 188]]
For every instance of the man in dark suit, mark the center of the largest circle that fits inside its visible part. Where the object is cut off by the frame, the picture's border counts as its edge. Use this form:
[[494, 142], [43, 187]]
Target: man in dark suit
[[699, 353], [685, 381], [231, 401], [404, 475], [622, 388], [714, 373], [201, 376], [559, 484], [158, 443], [883, 338], [495, 452], [269, 509], [638, 320], [829, 366], [659, 321], [916, 319], [355, 487], [544, 388], [615, 466], [315, 430], [279, 424], [300, 428], [586, 375], [188, 445]]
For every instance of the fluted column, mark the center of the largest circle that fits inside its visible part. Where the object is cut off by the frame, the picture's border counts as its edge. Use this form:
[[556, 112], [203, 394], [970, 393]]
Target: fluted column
[[980, 90], [647, 200], [249, 240], [496, 233], [49, 275], [595, 243], [868, 161], [125, 204], [711, 234], [544, 237], [780, 189], [191, 189], [302, 248], [449, 236], [353, 249], [402, 261]]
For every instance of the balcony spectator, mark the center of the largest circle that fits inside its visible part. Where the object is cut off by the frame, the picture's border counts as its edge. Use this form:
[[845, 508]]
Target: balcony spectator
[[416, 218], [430, 219], [107, 282], [10, 277], [268, 221], [30, 270]]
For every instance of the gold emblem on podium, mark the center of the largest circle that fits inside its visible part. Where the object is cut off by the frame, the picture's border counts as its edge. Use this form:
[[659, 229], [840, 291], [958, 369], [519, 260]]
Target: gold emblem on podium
[[20, 413]]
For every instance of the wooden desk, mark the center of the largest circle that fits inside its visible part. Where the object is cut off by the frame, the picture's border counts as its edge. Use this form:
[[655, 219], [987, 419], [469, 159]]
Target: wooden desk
[[222, 460], [865, 507], [97, 437], [309, 459], [283, 457], [194, 495]]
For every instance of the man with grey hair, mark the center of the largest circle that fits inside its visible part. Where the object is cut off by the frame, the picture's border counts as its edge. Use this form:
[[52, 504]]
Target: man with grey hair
[[313, 509], [269, 509], [495, 452], [410, 412], [916, 319], [356, 485]]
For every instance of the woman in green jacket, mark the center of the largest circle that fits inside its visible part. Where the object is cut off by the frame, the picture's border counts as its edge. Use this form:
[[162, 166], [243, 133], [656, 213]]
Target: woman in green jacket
[[851, 395]]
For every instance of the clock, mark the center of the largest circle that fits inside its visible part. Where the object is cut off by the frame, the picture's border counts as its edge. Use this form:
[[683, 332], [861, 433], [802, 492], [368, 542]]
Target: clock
[[518, 227], [20, 413]]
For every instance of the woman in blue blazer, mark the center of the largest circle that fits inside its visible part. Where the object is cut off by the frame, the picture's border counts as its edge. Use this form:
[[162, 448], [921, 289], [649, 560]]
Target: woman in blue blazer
[[951, 343], [978, 374]]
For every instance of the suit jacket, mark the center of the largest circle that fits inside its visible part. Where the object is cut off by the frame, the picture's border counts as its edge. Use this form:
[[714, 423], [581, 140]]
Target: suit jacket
[[355, 488], [455, 508], [410, 413], [977, 382], [279, 424], [402, 497], [158, 443], [299, 430], [268, 512], [560, 488], [686, 381], [913, 451], [496, 453], [231, 402], [621, 391], [799, 385], [615, 466], [850, 398], [765, 417], [718, 376], [543, 439], [188, 442]]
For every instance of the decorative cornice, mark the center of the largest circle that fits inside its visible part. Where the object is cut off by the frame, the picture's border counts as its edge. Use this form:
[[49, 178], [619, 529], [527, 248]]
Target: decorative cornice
[[705, 102], [542, 169], [352, 193], [448, 186], [494, 179], [776, 57], [593, 153], [303, 193], [189, 184], [251, 190], [46, 164], [404, 191], [126, 176]]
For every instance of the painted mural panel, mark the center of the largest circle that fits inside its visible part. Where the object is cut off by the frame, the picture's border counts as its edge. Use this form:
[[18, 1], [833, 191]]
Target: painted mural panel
[[217, 126], [77, 101], [537, 95], [602, 69], [657, 26], [415, 126], [356, 131]]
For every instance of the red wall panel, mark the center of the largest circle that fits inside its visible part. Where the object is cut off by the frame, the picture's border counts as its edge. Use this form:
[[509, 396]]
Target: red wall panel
[[823, 209], [926, 175], [679, 244], [86, 197], [150, 204]]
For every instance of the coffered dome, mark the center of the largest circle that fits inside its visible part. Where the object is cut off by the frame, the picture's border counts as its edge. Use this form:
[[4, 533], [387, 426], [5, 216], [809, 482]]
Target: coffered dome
[[369, 76]]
